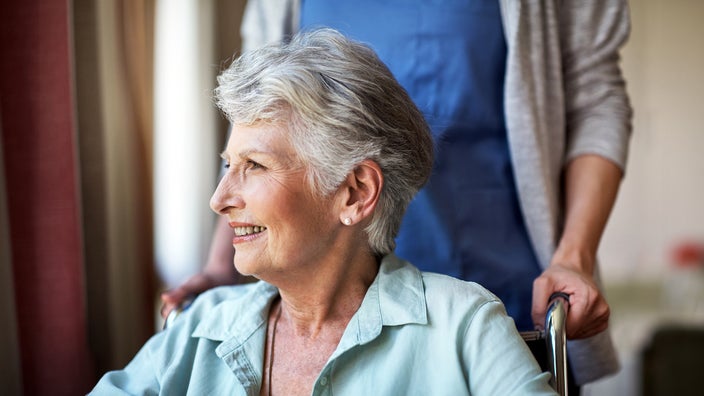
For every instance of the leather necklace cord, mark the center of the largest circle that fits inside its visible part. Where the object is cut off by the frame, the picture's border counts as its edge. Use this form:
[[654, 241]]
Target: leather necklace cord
[[271, 347]]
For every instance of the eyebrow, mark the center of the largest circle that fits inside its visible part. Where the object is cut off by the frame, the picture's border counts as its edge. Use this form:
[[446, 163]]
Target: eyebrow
[[248, 152]]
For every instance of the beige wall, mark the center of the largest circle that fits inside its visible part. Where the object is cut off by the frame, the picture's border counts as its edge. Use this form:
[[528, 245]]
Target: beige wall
[[662, 197]]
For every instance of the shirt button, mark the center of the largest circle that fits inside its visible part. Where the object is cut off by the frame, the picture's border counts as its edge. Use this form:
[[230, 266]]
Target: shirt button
[[324, 381]]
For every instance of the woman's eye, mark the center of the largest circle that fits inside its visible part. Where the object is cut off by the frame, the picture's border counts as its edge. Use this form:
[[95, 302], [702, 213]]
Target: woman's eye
[[253, 165]]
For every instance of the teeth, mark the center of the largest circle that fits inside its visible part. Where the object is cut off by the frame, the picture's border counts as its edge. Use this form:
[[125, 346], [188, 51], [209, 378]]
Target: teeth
[[240, 231]]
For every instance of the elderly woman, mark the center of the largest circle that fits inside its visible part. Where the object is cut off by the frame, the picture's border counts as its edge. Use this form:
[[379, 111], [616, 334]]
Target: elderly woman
[[326, 152]]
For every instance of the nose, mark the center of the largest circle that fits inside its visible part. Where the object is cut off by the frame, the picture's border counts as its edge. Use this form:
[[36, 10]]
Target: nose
[[226, 196]]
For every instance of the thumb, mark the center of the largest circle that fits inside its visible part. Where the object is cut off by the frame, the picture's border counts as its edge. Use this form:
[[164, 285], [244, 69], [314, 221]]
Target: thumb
[[173, 296], [542, 289]]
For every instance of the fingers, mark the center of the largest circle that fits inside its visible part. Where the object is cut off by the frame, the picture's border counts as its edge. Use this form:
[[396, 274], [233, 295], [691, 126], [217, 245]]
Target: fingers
[[171, 299], [195, 285], [166, 309], [588, 315], [588, 312], [175, 297]]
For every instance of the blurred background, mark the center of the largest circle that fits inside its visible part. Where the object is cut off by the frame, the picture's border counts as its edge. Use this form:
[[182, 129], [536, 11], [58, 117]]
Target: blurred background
[[109, 154]]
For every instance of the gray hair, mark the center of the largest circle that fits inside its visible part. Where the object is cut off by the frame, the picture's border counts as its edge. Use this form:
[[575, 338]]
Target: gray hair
[[341, 105]]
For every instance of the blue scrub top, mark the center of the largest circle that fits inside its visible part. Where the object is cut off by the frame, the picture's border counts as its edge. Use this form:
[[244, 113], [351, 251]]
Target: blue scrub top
[[450, 55]]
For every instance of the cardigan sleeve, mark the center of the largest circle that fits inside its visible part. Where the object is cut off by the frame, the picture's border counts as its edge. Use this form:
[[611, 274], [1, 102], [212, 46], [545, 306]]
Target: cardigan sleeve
[[597, 109]]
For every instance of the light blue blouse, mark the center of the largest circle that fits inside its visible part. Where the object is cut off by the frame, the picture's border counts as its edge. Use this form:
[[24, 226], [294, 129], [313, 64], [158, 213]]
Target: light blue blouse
[[414, 334]]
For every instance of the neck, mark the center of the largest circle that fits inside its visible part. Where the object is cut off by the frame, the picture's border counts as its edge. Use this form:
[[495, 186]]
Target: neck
[[328, 296]]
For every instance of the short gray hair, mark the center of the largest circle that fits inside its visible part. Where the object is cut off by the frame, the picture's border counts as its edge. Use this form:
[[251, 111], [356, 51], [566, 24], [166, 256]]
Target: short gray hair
[[341, 105]]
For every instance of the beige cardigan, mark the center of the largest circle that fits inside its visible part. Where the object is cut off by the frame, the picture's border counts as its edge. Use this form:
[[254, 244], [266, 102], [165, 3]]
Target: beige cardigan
[[564, 97]]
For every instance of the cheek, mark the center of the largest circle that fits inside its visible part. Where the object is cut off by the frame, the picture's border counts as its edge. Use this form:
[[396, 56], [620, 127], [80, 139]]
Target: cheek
[[262, 198], [291, 213], [298, 218]]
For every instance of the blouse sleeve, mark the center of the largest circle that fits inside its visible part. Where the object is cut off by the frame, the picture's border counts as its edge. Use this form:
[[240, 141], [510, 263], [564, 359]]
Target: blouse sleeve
[[137, 378], [500, 362]]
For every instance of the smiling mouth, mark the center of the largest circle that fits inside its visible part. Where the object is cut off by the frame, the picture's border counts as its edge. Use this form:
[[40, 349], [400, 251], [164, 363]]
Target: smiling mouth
[[242, 231]]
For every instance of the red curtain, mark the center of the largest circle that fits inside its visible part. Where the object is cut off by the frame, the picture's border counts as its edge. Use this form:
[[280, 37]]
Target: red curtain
[[38, 135], [77, 185]]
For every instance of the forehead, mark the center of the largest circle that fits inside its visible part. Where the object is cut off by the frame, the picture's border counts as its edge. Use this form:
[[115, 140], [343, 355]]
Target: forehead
[[260, 137]]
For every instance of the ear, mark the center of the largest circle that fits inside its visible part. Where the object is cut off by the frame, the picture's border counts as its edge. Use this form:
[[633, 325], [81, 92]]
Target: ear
[[360, 192]]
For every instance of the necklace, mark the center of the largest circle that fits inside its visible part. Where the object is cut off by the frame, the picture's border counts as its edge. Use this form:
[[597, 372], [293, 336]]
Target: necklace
[[271, 346]]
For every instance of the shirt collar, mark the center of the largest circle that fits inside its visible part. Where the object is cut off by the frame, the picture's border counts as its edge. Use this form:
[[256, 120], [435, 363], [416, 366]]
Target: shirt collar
[[239, 317], [396, 297]]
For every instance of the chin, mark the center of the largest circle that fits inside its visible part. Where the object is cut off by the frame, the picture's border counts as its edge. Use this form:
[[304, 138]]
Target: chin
[[245, 270], [247, 266]]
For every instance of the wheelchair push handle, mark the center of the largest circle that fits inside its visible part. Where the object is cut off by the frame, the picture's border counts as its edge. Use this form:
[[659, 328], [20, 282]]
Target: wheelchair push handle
[[555, 338]]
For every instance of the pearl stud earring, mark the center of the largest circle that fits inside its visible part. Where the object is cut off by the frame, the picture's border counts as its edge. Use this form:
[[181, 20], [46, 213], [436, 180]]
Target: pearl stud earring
[[347, 221]]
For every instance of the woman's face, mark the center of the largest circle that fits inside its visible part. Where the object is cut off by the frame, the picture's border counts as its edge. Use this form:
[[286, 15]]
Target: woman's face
[[279, 223]]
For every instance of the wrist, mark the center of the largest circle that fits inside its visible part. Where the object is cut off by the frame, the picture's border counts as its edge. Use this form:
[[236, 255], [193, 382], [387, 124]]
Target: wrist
[[574, 257]]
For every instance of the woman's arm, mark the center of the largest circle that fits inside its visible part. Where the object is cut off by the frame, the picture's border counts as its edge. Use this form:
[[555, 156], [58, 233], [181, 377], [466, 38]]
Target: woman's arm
[[597, 133], [591, 184]]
